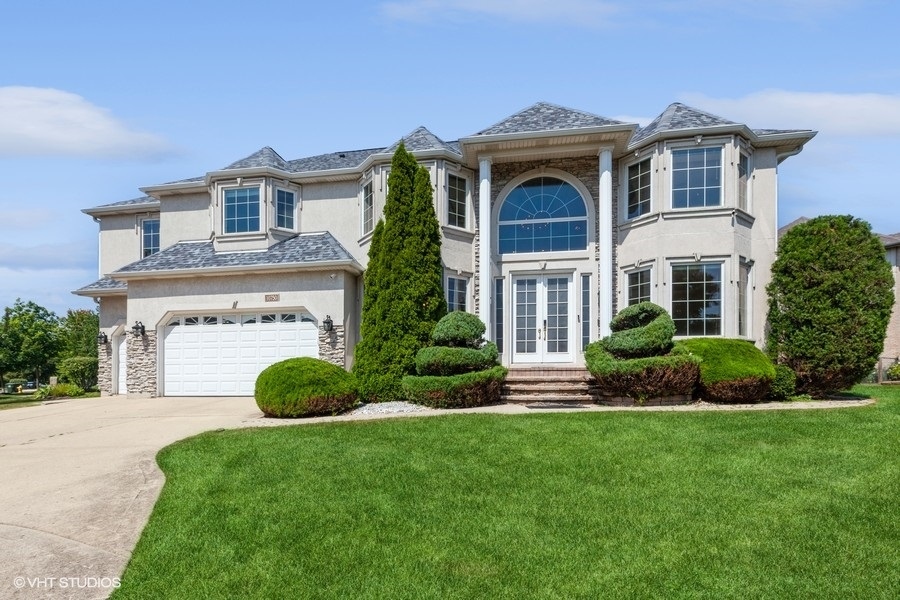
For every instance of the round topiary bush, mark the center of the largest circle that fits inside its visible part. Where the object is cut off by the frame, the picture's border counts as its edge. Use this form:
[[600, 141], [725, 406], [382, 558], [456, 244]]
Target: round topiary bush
[[731, 370], [441, 360], [893, 372], [640, 330], [459, 329], [304, 387]]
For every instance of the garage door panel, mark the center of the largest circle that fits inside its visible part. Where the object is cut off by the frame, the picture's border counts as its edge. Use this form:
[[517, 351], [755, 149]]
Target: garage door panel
[[216, 357]]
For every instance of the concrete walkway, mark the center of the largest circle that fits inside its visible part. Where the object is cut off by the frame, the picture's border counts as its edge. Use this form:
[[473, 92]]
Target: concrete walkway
[[78, 481]]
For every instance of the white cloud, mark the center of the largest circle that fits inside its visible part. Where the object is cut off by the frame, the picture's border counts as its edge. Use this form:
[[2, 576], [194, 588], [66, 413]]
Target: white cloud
[[830, 113], [582, 12], [49, 122]]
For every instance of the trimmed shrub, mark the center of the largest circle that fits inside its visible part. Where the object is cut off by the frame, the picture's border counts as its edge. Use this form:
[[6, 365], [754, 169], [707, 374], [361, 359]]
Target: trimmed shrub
[[440, 360], [304, 387], [893, 372], [675, 374], [640, 330], [458, 329], [829, 303], [456, 391], [81, 370], [731, 370], [60, 390], [785, 384]]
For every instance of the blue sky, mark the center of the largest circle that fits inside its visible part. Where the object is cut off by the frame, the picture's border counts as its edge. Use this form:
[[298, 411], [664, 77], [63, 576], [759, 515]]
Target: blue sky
[[100, 98]]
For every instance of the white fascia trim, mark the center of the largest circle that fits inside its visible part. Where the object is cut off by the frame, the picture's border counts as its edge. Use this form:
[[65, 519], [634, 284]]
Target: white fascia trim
[[185, 186], [345, 265], [504, 137], [694, 131], [124, 209]]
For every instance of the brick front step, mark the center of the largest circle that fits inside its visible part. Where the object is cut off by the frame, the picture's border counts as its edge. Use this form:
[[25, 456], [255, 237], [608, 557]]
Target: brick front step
[[548, 385]]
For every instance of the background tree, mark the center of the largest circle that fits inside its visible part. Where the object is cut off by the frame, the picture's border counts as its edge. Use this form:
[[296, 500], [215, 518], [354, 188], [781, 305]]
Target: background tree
[[830, 301], [31, 339], [78, 331], [403, 296]]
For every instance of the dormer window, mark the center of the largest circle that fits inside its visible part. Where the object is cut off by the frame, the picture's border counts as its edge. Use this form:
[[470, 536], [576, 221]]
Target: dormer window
[[284, 209], [241, 210]]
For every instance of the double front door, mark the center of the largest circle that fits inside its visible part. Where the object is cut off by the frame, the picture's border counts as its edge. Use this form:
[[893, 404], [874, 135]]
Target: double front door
[[543, 319]]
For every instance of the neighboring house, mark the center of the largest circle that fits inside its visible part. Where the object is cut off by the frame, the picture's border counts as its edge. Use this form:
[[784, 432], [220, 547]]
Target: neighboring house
[[891, 352], [552, 220]]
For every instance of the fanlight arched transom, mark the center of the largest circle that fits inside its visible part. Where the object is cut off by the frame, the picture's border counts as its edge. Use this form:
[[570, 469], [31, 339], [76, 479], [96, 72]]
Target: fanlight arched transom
[[544, 214]]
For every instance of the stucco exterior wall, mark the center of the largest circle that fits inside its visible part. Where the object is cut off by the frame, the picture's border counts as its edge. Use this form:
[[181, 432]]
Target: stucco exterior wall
[[120, 240], [318, 293], [184, 217], [334, 207]]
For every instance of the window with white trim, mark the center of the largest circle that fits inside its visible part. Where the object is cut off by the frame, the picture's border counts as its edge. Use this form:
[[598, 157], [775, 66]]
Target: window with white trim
[[743, 298], [697, 299], [639, 286], [743, 181], [456, 293], [639, 189], [241, 210], [149, 237], [456, 201], [697, 177], [285, 207], [367, 206]]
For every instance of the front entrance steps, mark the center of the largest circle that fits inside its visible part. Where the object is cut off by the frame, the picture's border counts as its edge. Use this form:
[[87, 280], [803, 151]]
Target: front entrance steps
[[549, 386]]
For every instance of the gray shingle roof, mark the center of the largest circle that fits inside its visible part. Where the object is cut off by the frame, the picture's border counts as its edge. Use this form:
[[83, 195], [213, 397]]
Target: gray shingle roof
[[420, 140], [264, 157], [679, 116], [331, 161], [765, 132], [544, 116], [133, 202], [890, 240], [102, 285], [302, 249]]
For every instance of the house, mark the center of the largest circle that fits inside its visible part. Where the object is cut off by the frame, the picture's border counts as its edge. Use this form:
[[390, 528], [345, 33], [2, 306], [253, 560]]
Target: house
[[552, 219], [891, 353]]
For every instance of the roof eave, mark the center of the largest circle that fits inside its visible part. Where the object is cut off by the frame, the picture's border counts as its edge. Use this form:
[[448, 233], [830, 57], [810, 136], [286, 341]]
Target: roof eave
[[174, 187], [549, 133], [344, 264], [124, 209], [100, 293]]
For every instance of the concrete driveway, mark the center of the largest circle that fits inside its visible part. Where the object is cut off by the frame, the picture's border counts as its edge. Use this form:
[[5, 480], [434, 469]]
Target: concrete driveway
[[78, 480]]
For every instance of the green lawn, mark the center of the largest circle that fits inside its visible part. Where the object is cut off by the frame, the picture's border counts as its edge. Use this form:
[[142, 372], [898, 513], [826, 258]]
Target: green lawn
[[17, 400], [780, 504]]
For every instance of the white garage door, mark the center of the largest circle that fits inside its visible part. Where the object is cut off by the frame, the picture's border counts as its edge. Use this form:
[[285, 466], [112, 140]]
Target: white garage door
[[221, 355]]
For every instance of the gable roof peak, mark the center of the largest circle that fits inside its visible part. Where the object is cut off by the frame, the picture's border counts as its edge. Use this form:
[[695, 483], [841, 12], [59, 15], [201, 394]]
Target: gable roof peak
[[421, 139], [546, 116], [264, 157]]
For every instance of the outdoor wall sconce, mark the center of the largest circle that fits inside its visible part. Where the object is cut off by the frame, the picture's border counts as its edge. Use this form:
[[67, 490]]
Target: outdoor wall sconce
[[327, 324], [102, 339], [138, 329]]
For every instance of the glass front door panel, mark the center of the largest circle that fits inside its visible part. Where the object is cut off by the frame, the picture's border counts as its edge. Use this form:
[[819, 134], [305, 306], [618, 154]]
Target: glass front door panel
[[543, 319], [526, 316]]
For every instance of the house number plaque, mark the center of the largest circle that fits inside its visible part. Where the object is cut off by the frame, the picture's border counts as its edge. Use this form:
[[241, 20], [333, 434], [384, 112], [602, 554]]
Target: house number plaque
[[273, 297]]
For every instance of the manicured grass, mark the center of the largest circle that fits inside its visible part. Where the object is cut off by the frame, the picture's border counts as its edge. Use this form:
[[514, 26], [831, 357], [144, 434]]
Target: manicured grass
[[17, 400], [780, 504]]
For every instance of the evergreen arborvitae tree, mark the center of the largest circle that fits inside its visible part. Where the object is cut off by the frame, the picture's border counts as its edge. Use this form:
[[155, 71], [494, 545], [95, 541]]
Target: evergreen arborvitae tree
[[829, 303], [403, 296]]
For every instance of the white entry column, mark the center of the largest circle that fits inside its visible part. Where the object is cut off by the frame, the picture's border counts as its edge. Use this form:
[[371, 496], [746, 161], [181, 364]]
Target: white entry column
[[605, 221], [484, 245]]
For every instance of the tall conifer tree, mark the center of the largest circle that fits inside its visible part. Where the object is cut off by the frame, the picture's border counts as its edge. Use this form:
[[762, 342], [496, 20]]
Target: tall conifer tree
[[403, 297]]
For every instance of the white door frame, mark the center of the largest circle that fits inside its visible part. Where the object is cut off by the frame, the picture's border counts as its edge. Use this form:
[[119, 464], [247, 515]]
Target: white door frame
[[542, 340]]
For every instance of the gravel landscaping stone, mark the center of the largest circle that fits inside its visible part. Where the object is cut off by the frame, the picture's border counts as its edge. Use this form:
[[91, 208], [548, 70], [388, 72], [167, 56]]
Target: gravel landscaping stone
[[387, 408]]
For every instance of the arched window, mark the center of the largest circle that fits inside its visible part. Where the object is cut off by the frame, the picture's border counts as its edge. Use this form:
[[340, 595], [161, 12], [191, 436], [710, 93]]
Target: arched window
[[544, 214]]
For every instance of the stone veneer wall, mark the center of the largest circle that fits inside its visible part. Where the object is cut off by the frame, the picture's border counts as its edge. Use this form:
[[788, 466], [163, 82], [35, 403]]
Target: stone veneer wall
[[587, 171], [104, 368], [332, 345], [141, 377]]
